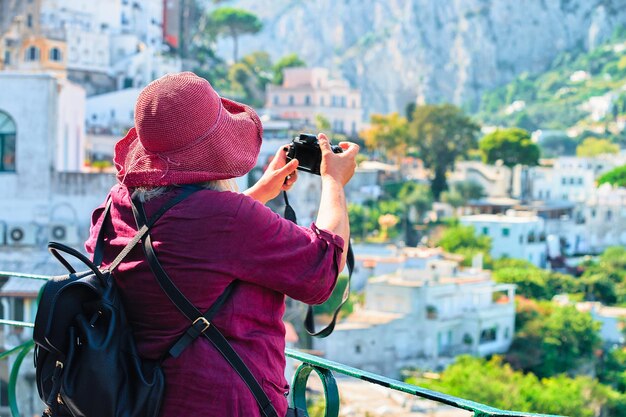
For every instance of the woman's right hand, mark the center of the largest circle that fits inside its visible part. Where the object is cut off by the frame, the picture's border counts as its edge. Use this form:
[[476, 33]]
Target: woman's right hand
[[338, 166]]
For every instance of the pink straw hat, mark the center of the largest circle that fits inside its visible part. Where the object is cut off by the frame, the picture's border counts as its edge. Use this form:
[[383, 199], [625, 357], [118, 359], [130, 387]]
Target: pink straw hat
[[185, 133]]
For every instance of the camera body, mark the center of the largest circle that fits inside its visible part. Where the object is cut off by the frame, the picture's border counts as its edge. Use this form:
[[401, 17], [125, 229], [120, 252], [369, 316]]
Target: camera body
[[306, 149]]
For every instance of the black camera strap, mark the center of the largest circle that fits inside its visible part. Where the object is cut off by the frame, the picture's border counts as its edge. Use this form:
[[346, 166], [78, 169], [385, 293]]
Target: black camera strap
[[309, 321]]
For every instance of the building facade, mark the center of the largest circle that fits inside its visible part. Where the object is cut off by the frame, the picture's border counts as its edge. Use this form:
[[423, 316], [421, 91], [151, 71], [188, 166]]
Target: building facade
[[309, 92], [424, 314], [519, 235]]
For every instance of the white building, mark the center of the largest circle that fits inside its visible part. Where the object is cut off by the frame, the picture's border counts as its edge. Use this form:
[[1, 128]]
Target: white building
[[102, 45], [424, 315], [308, 92], [570, 178], [519, 235], [605, 218], [494, 179], [112, 113], [45, 196]]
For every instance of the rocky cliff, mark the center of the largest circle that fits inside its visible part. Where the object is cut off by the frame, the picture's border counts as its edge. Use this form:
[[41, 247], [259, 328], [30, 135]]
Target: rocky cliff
[[398, 51]]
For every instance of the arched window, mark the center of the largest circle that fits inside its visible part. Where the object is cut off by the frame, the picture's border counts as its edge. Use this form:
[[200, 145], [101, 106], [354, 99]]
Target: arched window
[[55, 54], [7, 143], [32, 54]]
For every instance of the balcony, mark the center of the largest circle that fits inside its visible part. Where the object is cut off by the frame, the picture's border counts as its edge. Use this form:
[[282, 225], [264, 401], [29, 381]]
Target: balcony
[[309, 364]]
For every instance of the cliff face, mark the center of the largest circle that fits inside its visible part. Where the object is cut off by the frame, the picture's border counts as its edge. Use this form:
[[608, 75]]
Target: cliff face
[[397, 51]]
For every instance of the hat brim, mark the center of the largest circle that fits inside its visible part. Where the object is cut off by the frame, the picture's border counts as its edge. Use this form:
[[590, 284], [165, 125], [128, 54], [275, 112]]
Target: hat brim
[[230, 150]]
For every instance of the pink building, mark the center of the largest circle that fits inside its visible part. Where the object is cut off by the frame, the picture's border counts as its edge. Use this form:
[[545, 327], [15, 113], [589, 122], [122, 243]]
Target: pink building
[[307, 92]]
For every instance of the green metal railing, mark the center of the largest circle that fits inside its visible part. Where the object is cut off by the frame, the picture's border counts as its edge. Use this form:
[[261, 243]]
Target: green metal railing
[[310, 364]]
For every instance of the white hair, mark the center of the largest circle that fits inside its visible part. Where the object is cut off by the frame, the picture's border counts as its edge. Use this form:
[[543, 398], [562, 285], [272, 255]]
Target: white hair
[[148, 193]]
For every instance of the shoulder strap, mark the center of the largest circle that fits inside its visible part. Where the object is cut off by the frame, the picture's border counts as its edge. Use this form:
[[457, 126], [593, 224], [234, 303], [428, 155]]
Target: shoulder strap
[[309, 321], [99, 251], [201, 324]]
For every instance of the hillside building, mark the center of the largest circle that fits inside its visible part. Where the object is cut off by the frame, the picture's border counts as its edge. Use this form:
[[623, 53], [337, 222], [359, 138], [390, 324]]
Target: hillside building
[[426, 313], [519, 235], [308, 92]]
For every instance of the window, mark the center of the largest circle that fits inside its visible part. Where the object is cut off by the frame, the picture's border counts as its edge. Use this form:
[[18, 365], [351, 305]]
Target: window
[[7, 143], [609, 215], [485, 230], [32, 54], [580, 181], [563, 181], [353, 103], [276, 100], [29, 20], [291, 100], [488, 335], [307, 100], [505, 231], [7, 58], [321, 100], [55, 55]]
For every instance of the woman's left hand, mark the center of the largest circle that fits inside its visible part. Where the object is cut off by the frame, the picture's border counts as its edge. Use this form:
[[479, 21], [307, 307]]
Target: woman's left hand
[[280, 175]]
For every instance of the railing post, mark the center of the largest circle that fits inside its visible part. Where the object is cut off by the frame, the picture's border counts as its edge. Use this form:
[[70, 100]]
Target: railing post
[[331, 394], [15, 412]]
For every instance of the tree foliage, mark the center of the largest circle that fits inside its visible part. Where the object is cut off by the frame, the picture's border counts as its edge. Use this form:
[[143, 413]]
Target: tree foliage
[[494, 383], [441, 134], [605, 279], [288, 61], [512, 146], [533, 282], [594, 147], [463, 240], [552, 339], [233, 22], [387, 134], [558, 145], [615, 177], [461, 192]]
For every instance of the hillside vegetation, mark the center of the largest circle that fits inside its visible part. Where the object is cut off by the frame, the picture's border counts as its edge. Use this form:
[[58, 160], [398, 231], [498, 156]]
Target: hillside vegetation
[[563, 96]]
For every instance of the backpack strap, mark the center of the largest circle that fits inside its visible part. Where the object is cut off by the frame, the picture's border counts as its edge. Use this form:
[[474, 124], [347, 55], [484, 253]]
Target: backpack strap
[[99, 250], [201, 324]]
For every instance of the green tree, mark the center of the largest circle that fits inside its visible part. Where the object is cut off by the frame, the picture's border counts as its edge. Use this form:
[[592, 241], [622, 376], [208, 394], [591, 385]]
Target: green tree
[[322, 123], [463, 240], [553, 339], [533, 282], [387, 134], [511, 146], [249, 77], [288, 61], [233, 22], [495, 383], [605, 279], [462, 192], [417, 199], [615, 177], [594, 147], [558, 145], [441, 134], [457, 238]]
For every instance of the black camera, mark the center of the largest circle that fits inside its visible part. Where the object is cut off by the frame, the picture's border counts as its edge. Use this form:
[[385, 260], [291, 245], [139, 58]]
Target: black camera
[[306, 150]]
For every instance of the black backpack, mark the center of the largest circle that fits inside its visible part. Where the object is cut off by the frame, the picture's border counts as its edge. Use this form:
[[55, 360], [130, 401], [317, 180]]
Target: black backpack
[[87, 364]]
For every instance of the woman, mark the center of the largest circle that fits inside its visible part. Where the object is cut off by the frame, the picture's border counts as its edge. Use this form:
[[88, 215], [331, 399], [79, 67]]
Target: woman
[[186, 134]]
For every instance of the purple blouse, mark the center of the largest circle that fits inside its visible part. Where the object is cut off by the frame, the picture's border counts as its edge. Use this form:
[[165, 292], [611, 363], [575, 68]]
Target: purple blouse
[[204, 243]]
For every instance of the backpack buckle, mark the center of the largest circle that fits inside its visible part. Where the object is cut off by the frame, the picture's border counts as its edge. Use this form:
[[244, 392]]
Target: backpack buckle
[[204, 321]]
